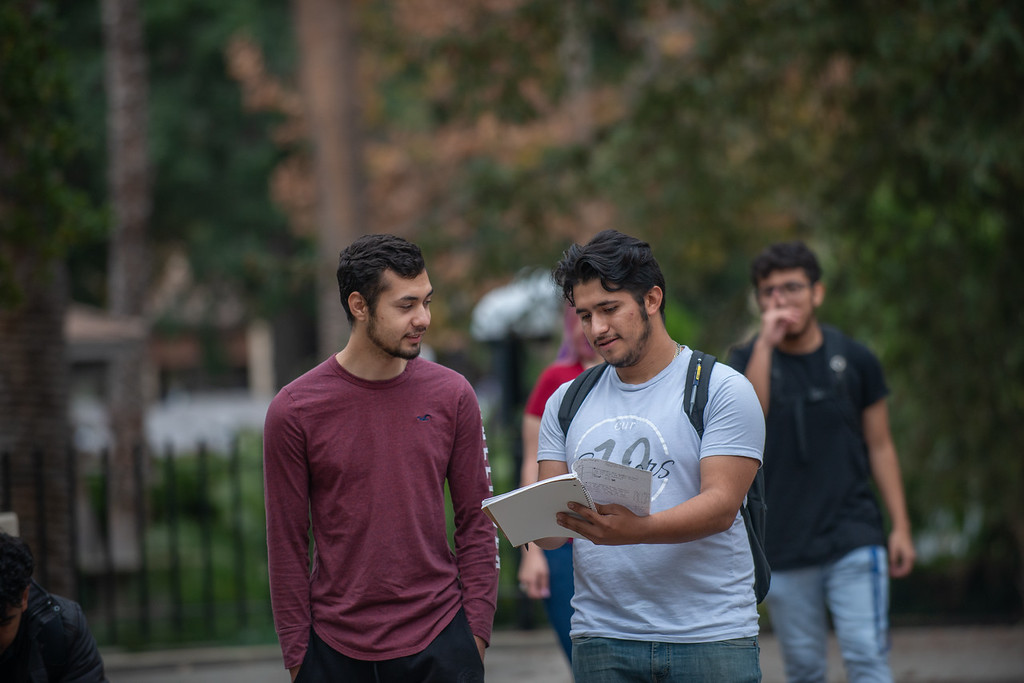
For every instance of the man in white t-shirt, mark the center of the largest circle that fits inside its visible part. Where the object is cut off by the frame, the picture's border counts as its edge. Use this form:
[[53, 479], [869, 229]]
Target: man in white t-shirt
[[668, 596]]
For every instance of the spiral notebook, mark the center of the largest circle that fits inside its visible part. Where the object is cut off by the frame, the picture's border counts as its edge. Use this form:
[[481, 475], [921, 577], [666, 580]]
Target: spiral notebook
[[528, 513]]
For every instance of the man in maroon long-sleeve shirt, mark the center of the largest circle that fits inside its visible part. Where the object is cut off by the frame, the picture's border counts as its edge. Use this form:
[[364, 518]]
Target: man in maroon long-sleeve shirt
[[358, 450]]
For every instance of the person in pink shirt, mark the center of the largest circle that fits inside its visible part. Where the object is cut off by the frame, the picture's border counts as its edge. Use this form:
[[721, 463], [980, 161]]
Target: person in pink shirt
[[547, 574], [357, 453]]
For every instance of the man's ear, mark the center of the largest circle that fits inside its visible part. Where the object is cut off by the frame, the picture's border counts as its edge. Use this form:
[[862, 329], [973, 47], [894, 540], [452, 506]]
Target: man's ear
[[818, 293], [359, 307], [24, 598], [653, 299]]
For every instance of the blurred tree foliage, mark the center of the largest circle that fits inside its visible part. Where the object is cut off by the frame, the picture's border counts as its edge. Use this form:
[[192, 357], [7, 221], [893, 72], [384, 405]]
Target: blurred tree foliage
[[917, 198], [888, 135], [534, 124], [42, 213], [211, 158]]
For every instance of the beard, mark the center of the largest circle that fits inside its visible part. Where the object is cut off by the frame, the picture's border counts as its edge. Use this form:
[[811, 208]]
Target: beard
[[794, 334], [393, 349], [634, 354]]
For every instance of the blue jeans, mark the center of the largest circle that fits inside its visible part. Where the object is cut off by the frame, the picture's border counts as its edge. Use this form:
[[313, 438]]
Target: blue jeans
[[607, 660], [559, 605], [855, 590]]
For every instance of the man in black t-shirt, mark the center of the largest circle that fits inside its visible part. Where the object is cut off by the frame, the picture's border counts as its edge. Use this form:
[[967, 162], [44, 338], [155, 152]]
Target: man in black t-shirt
[[827, 439]]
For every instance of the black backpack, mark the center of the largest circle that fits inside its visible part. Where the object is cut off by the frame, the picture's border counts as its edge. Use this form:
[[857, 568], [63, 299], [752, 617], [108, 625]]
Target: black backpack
[[695, 399], [45, 613]]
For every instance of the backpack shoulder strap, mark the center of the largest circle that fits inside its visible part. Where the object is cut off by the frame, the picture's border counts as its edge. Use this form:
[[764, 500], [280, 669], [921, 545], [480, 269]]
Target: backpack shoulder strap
[[837, 356], [698, 379], [50, 636], [575, 394], [835, 343], [695, 396]]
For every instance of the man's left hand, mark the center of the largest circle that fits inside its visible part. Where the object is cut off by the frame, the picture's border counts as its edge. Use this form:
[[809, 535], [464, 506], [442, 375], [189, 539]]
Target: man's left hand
[[608, 525], [901, 554]]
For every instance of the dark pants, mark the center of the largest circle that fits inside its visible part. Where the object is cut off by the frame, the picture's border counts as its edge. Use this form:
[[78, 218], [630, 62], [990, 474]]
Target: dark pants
[[452, 657]]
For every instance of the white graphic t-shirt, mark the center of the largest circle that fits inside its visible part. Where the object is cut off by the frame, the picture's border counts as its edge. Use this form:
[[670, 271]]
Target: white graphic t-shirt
[[700, 591]]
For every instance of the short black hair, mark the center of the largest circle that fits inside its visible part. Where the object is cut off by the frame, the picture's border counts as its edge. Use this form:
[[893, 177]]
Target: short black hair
[[619, 261], [16, 565], [361, 264], [785, 256]]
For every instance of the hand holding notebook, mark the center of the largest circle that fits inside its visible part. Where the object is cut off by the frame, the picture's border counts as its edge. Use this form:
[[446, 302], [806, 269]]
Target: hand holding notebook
[[528, 513]]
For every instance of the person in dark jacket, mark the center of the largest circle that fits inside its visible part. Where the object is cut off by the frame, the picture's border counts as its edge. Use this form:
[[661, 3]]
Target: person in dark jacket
[[44, 638]]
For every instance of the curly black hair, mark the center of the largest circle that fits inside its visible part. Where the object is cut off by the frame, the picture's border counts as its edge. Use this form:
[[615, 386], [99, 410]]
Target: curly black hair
[[16, 565], [617, 260]]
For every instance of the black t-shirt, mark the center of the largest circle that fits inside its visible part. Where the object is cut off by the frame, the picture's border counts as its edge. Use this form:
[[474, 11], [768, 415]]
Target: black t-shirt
[[817, 478]]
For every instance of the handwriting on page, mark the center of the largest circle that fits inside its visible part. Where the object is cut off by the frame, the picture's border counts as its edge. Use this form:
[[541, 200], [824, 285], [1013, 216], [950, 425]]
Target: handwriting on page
[[609, 482]]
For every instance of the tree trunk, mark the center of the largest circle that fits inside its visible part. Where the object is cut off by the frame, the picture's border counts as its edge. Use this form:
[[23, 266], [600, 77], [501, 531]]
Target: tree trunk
[[33, 417], [128, 260], [577, 62], [326, 37], [33, 297]]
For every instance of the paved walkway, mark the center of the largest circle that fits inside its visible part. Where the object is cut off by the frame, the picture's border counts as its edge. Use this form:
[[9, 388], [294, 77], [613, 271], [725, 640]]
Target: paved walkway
[[920, 655]]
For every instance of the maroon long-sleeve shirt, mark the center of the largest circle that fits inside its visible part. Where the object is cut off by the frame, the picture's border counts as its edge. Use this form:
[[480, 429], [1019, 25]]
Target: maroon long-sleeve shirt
[[364, 463]]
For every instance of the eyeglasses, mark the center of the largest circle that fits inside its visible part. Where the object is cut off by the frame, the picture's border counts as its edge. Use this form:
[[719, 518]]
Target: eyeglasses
[[786, 289]]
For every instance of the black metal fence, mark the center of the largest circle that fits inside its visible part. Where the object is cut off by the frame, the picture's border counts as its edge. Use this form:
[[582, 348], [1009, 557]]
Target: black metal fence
[[199, 573]]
